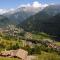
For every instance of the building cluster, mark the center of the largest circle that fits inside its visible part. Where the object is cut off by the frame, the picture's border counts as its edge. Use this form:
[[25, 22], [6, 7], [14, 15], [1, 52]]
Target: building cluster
[[54, 46]]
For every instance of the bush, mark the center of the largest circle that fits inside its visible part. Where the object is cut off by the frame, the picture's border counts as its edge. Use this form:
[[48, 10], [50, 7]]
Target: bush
[[34, 50], [13, 47]]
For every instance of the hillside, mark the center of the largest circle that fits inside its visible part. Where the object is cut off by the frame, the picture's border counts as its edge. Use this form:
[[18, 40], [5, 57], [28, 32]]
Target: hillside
[[4, 21], [43, 22], [20, 14], [52, 10]]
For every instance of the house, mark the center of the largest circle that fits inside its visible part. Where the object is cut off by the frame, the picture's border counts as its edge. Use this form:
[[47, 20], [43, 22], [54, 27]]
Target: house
[[28, 35]]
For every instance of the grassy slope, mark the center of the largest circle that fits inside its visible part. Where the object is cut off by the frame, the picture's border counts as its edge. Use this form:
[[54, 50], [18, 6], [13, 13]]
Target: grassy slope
[[57, 43], [48, 56], [43, 56], [41, 37]]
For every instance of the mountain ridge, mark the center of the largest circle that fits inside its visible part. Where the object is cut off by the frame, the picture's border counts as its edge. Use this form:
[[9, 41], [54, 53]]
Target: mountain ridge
[[43, 22]]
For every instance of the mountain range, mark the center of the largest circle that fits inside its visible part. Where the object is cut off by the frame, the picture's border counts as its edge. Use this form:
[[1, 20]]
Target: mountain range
[[39, 19], [19, 14], [47, 21]]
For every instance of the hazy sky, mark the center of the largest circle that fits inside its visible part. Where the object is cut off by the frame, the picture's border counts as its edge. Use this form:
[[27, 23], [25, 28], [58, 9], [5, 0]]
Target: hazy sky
[[15, 3]]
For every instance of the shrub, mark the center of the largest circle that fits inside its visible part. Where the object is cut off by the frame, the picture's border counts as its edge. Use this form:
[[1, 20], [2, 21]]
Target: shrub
[[34, 50]]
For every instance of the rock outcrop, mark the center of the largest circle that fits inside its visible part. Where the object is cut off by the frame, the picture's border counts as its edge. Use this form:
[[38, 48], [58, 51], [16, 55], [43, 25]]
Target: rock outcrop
[[19, 53]]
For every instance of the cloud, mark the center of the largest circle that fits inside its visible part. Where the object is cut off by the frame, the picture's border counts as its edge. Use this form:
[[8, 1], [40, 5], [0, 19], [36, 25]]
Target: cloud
[[52, 4], [37, 4], [25, 5], [45, 5], [2, 11], [34, 4]]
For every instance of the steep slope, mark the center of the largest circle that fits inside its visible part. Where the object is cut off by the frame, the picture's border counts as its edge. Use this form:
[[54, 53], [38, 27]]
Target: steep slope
[[52, 25], [43, 22], [34, 22], [52, 10], [4, 21], [20, 14]]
